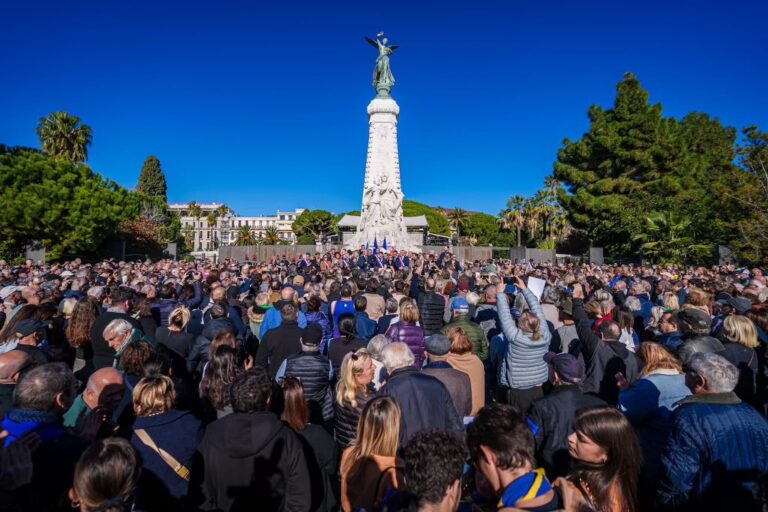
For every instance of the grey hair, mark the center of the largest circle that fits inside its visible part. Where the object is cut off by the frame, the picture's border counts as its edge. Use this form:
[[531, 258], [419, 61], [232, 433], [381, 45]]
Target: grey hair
[[552, 295], [720, 375], [38, 388], [633, 303], [117, 326], [396, 355], [473, 299], [376, 345]]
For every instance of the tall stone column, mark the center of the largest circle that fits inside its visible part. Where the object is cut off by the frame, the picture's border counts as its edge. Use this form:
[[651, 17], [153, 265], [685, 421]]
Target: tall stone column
[[382, 206]]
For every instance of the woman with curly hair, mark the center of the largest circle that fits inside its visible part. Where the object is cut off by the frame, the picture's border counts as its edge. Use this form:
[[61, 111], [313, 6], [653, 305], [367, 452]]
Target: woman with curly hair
[[78, 332]]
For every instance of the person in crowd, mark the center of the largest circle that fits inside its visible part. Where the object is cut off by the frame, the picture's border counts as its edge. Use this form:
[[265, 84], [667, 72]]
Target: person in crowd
[[606, 358], [523, 370], [346, 343], [344, 306], [374, 347], [102, 396], [740, 341], [554, 414], [174, 335], [565, 338], [431, 305], [315, 372], [257, 312], [375, 303], [166, 439], [106, 477], [424, 401], [118, 334], [274, 316], [12, 366], [29, 334], [669, 335], [365, 326], [463, 359], [648, 404], [368, 466], [408, 331], [438, 352], [78, 333], [460, 319], [716, 455], [695, 324], [281, 341], [607, 459], [122, 302], [353, 390], [320, 450], [316, 316], [251, 457], [215, 388], [41, 397], [391, 316], [485, 314], [502, 449]]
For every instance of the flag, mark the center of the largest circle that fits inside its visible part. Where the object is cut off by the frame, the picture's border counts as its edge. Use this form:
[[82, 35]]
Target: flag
[[375, 246], [385, 244], [366, 246]]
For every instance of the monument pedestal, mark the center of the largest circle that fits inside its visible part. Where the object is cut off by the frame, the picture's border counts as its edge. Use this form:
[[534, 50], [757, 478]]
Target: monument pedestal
[[381, 216]]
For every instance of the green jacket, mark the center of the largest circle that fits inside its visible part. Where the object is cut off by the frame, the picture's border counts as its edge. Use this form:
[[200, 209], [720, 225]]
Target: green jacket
[[476, 334], [79, 408]]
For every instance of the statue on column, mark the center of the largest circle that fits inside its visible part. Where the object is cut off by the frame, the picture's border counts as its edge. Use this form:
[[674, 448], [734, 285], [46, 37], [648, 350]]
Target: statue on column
[[383, 79]]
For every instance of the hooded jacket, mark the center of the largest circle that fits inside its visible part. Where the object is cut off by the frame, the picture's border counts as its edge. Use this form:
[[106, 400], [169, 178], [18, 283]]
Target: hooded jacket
[[410, 334], [253, 461]]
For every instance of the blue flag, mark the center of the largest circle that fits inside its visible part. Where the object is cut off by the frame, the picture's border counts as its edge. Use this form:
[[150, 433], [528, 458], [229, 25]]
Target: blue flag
[[385, 244], [366, 246], [375, 246]]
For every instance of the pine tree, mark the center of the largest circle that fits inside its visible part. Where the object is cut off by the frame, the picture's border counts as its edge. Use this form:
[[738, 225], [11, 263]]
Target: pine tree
[[152, 179]]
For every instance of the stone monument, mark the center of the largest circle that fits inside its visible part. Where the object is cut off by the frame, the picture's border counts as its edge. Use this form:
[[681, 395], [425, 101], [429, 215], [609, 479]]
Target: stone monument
[[382, 211]]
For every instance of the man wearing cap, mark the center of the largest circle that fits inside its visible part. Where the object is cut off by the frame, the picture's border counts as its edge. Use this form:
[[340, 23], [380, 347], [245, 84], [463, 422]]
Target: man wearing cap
[[29, 333], [460, 312], [695, 325], [457, 382], [315, 372], [554, 414]]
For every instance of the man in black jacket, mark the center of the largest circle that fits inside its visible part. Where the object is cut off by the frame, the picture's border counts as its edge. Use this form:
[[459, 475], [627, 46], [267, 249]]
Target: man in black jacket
[[424, 401], [250, 459], [554, 414], [605, 357], [123, 300], [282, 341], [431, 308]]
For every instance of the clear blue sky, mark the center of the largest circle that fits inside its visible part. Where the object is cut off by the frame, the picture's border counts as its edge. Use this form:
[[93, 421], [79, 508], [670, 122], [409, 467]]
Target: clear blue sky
[[261, 104]]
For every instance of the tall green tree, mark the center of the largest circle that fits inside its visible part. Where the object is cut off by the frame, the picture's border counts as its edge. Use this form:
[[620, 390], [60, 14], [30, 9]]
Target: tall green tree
[[313, 225], [63, 136], [152, 179], [458, 219], [667, 240]]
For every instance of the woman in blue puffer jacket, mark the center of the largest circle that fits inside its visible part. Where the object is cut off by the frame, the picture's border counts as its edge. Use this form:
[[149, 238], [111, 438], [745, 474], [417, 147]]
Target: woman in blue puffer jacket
[[523, 370]]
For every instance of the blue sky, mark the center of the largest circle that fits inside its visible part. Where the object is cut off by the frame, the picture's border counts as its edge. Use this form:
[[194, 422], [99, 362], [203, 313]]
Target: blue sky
[[261, 104]]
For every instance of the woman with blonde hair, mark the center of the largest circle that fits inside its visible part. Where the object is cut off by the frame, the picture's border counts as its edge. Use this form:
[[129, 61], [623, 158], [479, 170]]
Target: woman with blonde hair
[[174, 336], [671, 301], [462, 358], [166, 439], [739, 337], [408, 331], [369, 468], [353, 391], [649, 403]]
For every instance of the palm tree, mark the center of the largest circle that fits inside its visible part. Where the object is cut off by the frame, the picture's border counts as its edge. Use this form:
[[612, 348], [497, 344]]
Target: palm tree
[[245, 237], [271, 236], [668, 239], [515, 216], [212, 219], [62, 136], [531, 213], [458, 218]]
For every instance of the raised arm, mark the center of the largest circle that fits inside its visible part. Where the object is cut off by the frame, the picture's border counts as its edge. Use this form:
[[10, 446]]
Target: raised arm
[[508, 324], [588, 339]]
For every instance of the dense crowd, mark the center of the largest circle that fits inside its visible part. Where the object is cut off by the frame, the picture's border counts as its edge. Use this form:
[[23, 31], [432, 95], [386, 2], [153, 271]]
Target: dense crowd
[[401, 381]]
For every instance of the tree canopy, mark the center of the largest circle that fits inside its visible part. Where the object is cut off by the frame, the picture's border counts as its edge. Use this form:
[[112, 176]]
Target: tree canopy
[[63, 136], [152, 179], [312, 225]]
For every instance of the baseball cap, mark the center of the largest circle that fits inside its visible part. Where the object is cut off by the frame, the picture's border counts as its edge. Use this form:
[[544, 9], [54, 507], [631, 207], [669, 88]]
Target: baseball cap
[[8, 290], [437, 345], [570, 368], [312, 335], [29, 325], [460, 304], [696, 318], [740, 304]]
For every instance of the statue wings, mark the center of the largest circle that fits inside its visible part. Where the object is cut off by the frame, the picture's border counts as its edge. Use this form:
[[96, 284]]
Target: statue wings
[[375, 44]]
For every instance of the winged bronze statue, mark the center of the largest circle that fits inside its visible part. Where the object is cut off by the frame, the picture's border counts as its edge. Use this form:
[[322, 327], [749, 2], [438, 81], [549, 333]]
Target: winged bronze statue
[[383, 79]]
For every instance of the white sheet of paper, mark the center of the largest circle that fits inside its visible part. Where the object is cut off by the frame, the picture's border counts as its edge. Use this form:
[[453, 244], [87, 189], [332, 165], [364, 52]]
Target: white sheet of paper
[[536, 286]]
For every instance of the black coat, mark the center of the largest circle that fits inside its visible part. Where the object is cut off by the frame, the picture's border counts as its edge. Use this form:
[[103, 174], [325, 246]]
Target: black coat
[[347, 418], [278, 344], [425, 403], [554, 415], [252, 461], [322, 455], [431, 309], [103, 355]]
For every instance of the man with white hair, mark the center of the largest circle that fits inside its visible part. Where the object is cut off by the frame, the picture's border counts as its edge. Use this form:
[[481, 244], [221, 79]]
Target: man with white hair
[[425, 403], [716, 457], [123, 300], [118, 334]]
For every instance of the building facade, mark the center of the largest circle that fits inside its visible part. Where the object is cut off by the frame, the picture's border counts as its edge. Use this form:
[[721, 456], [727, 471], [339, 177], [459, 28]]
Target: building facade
[[212, 227]]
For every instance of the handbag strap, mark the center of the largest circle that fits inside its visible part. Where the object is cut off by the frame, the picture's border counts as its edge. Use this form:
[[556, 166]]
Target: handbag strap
[[169, 459]]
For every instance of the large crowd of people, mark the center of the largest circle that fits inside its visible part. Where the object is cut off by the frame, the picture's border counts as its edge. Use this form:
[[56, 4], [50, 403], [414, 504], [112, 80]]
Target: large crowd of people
[[392, 381]]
